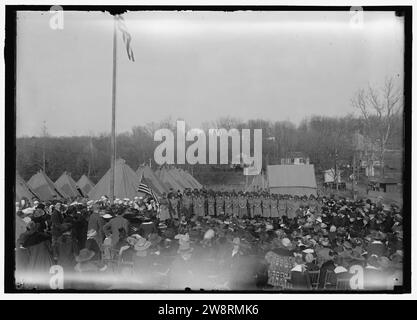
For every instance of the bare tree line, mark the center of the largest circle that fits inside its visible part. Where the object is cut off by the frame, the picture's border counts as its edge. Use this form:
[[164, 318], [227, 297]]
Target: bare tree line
[[327, 141]]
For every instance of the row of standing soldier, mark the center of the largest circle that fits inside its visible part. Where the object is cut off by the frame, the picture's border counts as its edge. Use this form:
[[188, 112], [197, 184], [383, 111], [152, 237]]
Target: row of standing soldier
[[241, 205]]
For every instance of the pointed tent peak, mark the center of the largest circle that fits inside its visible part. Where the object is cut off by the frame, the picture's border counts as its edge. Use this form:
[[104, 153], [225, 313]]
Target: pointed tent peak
[[189, 177], [85, 184], [23, 190], [126, 183], [168, 179], [44, 187], [67, 186]]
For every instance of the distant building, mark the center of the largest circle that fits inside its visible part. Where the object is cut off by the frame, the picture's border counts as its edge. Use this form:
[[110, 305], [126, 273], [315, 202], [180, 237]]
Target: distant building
[[293, 180], [295, 158], [330, 176], [387, 184]]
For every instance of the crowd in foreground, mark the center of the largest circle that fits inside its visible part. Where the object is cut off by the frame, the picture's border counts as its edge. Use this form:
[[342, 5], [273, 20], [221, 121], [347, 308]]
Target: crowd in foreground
[[202, 239]]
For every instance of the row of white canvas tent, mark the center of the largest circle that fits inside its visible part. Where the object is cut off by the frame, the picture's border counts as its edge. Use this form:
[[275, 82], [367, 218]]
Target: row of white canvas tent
[[126, 183]]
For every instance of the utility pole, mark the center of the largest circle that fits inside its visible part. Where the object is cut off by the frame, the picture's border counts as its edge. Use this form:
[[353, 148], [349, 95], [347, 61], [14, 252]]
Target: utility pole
[[44, 134], [335, 169], [353, 174], [113, 118]]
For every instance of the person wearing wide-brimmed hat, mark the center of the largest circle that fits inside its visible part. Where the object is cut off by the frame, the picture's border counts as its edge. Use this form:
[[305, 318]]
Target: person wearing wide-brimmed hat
[[299, 278], [116, 226], [96, 222], [373, 274], [141, 263], [147, 227], [327, 266], [66, 248], [377, 245], [88, 271], [37, 247], [180, 275], [92, 245]]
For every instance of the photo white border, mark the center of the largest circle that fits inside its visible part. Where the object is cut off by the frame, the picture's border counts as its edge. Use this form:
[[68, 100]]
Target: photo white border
[[209, 296]]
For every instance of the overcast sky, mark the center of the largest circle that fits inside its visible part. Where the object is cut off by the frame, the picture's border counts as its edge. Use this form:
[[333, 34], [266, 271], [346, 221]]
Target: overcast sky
[[198, 66]]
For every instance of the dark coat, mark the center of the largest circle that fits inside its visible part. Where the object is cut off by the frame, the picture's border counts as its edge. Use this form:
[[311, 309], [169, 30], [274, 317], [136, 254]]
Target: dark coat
[[300, 280], [146, 228], [377, 248], [96, 222], [114, 226], [327, 266]]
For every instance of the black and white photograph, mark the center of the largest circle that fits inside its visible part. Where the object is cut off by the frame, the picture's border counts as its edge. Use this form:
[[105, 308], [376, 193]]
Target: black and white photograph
[[208, 149]]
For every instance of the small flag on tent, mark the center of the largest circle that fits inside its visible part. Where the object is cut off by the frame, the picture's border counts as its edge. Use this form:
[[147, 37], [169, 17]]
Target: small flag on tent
[[126, 36], [145, 189]]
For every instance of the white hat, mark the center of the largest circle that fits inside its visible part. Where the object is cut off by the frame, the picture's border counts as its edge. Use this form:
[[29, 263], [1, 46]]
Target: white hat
[[27, 220], [298, 268], [209, 234], [107, 216], [308, 251], [340, 269], [28, 210], [286, 242]]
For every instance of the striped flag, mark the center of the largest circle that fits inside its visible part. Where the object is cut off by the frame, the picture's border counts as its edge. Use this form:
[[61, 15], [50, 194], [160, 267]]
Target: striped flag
[[126, 36], [145, 189]]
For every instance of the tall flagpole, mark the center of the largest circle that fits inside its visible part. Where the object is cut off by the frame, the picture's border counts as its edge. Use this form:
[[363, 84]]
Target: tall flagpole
[[113, 117]]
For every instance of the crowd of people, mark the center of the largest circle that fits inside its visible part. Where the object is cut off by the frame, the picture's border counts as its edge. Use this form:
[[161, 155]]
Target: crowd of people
[[211, 240]]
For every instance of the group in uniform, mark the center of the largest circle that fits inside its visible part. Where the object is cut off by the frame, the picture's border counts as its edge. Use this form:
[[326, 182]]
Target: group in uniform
[[200, 203]]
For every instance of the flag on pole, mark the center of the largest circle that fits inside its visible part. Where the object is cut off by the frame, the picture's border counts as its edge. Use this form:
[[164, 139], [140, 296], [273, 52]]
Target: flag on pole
[[145, 189], [127, 38]]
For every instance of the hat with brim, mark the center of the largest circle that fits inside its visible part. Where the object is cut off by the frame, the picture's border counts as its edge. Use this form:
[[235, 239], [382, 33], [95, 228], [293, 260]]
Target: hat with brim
[[308, 251], [347, 245], [355, 255], [377, 236], [85, 255], [142, 244], [28, 211], [325, 243], [286, 242], [38, 213]]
